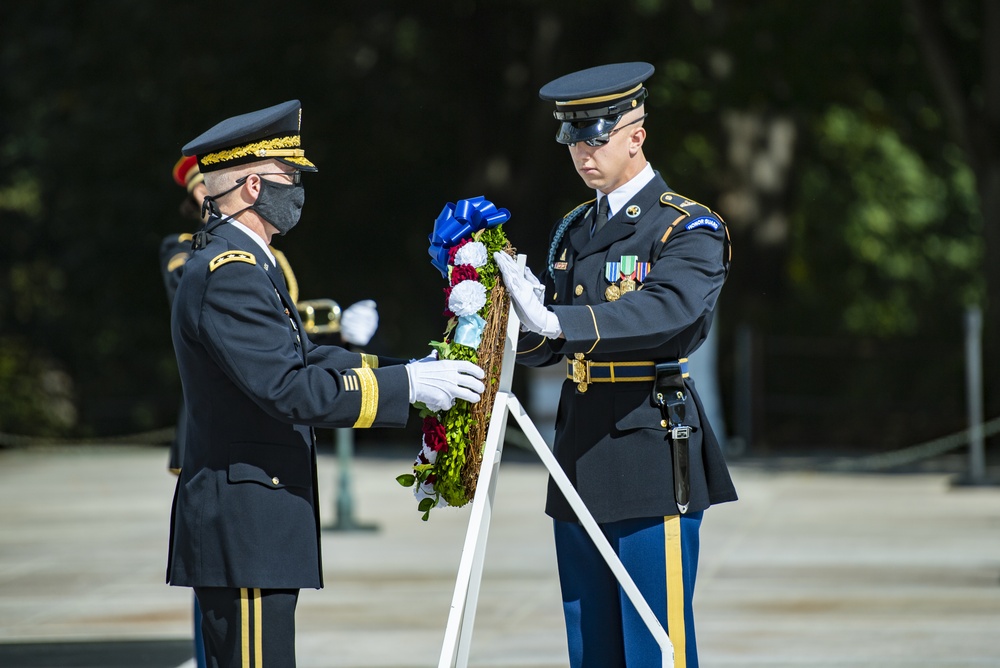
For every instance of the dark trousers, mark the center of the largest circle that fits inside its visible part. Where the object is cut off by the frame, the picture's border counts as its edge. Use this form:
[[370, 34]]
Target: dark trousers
[[199, 638], [252, 628], [603, 628]]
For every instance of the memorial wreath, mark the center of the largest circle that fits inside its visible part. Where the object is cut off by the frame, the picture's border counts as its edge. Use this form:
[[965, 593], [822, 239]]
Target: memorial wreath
[[465, 236]]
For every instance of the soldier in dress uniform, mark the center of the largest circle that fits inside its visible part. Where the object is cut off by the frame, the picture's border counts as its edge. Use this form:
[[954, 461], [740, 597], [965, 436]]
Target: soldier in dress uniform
[[175, 249], [628, 291], [245, 530], [355, 326]]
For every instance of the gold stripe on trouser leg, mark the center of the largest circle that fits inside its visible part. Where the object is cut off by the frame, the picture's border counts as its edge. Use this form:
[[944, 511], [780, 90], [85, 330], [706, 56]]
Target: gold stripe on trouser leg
[[258, 631], [675, 589], [245, 627], [247, 619]]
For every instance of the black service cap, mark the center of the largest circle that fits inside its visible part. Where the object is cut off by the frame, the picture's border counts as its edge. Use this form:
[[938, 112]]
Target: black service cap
[[259, 135]]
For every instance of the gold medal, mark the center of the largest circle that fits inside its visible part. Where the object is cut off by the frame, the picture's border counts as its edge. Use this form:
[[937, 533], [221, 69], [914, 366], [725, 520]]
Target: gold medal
[[612, 293], [627, 285]]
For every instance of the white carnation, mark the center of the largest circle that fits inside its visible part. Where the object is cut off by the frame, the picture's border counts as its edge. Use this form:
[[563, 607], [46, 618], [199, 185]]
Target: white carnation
[[473, 253], [425, 491], [467, 298], [429, 454]]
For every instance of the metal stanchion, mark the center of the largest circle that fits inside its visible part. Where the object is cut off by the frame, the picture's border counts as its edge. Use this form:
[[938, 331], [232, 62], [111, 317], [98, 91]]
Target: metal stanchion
[[345, 520], [974, 394]]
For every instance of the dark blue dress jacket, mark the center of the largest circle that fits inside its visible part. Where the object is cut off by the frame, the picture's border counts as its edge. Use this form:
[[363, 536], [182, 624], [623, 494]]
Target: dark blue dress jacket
[[609, 438], [245, 510]]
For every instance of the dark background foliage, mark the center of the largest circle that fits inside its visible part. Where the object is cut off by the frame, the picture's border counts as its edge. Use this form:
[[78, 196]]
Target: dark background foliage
[[815, 130]]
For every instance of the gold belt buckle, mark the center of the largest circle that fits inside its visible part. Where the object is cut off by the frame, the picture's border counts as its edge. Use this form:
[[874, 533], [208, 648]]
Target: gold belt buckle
[[581, 372]]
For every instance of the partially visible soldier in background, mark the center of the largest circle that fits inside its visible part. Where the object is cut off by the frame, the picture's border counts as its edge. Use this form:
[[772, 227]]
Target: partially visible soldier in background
[[175, 250]]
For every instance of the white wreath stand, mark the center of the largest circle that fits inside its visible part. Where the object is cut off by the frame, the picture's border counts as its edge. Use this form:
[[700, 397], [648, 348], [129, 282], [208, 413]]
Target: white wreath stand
[[458, 634]]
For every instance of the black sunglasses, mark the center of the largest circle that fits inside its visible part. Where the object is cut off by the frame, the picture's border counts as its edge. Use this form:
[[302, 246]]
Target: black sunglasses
[[605, 137]]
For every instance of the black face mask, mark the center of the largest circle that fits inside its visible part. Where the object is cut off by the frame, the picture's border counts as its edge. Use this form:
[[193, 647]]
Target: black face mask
[[280, 204]]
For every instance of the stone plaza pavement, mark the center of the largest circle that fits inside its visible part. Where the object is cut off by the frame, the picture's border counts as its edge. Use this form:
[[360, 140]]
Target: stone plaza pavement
[[807, 569]]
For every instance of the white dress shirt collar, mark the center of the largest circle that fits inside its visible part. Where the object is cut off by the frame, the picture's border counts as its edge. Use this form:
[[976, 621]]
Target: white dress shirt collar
[[621, 196], [256, 239]]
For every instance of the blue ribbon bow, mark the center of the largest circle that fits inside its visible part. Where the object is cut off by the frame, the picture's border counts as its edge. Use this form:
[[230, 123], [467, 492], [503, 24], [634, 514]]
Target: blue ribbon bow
[[457, 221]]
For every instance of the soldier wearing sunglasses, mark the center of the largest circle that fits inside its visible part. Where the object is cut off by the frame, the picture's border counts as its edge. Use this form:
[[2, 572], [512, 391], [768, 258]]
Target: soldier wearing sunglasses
[[629, 290]]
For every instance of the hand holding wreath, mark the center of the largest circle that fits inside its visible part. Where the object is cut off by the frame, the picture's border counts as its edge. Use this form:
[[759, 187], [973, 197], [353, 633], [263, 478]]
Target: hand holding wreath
[[526, 294]]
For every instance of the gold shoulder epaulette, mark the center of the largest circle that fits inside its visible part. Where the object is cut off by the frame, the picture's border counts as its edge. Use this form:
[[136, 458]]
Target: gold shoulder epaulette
[[679, 202], [177, 261], [231, 256], [286, 270], [185, 236]]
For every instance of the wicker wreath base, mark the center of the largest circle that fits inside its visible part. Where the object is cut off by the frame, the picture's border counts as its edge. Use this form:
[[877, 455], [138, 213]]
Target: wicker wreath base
[[490, 354]]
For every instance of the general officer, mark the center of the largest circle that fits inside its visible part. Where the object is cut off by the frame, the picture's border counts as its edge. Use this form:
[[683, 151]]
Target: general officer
[[355, 327], [630, 285], [245, 531]]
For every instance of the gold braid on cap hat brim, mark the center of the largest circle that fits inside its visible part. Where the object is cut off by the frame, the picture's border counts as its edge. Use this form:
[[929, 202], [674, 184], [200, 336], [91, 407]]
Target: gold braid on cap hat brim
[[601, 98], [279, 147]]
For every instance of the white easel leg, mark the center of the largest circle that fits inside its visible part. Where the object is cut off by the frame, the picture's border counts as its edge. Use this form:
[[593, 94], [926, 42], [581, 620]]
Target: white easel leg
[[590, 525], [458, 634]]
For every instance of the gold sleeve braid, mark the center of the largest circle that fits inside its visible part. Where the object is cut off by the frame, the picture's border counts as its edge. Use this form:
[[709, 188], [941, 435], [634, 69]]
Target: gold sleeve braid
[[369, 361], [369, 397]]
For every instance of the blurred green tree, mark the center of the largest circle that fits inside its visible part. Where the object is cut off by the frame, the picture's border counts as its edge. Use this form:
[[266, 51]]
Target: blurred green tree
[[853, 201]]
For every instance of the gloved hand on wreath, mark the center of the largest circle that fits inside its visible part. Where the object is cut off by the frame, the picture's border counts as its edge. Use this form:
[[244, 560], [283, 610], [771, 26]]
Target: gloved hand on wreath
[[526, 295], [437, 383]]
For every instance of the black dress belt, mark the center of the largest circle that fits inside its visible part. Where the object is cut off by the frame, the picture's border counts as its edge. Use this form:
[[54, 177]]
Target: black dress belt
[[584, 372]]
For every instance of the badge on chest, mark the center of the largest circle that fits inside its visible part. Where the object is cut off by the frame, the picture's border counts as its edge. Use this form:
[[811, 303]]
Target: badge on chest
[[561, 264], [626, 275]]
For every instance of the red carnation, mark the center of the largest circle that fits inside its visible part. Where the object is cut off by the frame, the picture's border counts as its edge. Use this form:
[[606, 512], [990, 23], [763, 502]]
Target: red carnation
[[463, 272], [434, 434], [447, 311]]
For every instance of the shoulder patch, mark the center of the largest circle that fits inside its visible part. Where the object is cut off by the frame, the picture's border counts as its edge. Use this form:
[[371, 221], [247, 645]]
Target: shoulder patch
[[704, 221], [231, 256]]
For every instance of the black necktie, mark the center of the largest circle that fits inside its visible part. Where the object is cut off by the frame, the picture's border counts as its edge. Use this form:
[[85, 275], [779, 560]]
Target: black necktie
[[602, 215]]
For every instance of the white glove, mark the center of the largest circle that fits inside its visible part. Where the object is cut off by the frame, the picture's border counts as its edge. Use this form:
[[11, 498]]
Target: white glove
[[430, 358], [526, 295], [437, 383], [359, 322]]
